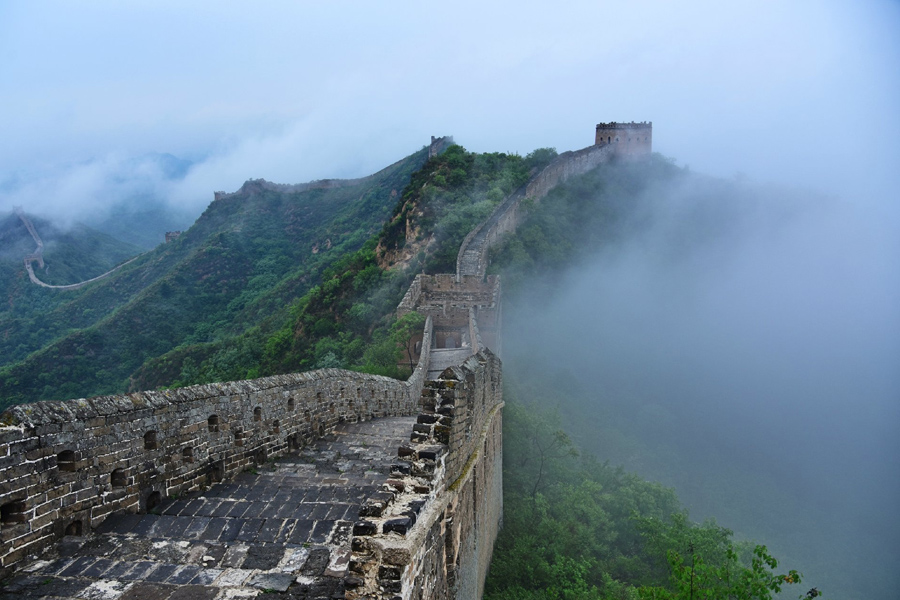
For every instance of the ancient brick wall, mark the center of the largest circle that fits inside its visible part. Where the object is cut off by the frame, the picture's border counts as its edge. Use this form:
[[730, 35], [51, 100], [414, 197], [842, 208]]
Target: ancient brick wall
[[251, 186], [473, 253], [65, 466], [430, 534]]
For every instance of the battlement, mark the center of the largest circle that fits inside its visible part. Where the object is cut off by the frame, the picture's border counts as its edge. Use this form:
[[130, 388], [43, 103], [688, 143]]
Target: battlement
[[627, 138], [632, 125]]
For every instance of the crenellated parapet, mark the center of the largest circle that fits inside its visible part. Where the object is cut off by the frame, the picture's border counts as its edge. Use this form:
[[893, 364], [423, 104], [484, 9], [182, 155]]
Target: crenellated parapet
[[431, 529], [629, 141], [627, 138]]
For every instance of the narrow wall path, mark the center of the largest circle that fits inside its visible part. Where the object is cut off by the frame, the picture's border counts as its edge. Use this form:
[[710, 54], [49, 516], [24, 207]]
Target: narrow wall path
[[289, 520], [38, 257], [72, 286]]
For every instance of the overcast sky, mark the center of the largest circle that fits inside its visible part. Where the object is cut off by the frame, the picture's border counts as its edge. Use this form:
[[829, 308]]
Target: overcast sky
[[293, 91]]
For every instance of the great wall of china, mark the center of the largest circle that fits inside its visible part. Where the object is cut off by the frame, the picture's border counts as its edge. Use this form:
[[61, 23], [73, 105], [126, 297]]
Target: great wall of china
[[381, 488], [38, 257]]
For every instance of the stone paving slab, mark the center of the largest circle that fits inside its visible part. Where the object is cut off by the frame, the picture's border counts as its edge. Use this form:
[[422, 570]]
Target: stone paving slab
[[272, 531]]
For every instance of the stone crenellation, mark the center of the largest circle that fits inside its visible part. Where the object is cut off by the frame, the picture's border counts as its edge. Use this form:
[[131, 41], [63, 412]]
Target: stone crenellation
[[629, 138], [430, 532]]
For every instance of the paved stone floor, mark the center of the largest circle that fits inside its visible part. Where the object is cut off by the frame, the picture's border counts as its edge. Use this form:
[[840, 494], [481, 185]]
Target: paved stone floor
[[283, 530]]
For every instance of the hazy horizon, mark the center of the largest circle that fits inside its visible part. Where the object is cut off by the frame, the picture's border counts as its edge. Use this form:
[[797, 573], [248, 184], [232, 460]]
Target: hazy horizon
[[93, 94], [741, 344]]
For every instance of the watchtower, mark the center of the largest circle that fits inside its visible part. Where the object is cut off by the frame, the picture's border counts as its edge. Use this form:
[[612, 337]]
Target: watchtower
[[628, 138]]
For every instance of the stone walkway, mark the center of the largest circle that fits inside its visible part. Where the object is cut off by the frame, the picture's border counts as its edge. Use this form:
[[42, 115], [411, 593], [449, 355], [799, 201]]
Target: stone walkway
[[441, 358], [283, 530], [470, 261]]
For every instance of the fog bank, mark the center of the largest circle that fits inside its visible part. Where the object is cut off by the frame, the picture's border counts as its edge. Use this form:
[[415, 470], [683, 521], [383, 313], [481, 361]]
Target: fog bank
[[748, 356]]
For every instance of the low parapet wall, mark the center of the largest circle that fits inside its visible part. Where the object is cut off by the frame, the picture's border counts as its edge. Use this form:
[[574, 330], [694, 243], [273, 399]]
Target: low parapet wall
[[473, 253], [65, 466], [566, 165], [430, 532]]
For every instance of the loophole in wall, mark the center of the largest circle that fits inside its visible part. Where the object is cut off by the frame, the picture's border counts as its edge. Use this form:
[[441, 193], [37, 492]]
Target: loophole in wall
[[118, 479], [153, 500], [73, 528], [65, 461], [13, 513]]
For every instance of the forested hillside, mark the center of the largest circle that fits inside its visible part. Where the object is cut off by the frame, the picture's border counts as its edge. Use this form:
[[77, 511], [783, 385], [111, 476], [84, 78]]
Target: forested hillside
[[269, 281], [237, 268], [576, 524]]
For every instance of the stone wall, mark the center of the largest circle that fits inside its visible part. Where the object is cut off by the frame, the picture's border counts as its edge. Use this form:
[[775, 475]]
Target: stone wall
[[430, 533], [65, 466], [460, 307], [473, 253], [629, 138], [566, 165]]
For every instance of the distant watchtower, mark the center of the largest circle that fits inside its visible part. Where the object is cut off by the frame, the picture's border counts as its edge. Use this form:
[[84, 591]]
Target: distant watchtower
[[628, 138]]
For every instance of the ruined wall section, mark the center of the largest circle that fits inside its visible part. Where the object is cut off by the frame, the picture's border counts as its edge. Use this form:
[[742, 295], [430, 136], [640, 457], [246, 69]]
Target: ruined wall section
[[430, 533], [65, 466]]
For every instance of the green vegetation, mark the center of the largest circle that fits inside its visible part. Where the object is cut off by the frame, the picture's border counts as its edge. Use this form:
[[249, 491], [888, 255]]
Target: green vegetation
[[70, 256], [269, 282], [575, 528], [200, 308], [448, 199], [266, 281], [578, 217]]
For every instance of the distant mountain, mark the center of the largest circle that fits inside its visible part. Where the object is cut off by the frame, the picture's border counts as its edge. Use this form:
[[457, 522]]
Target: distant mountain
[[70, 255], [247, 257], [143, 219]]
